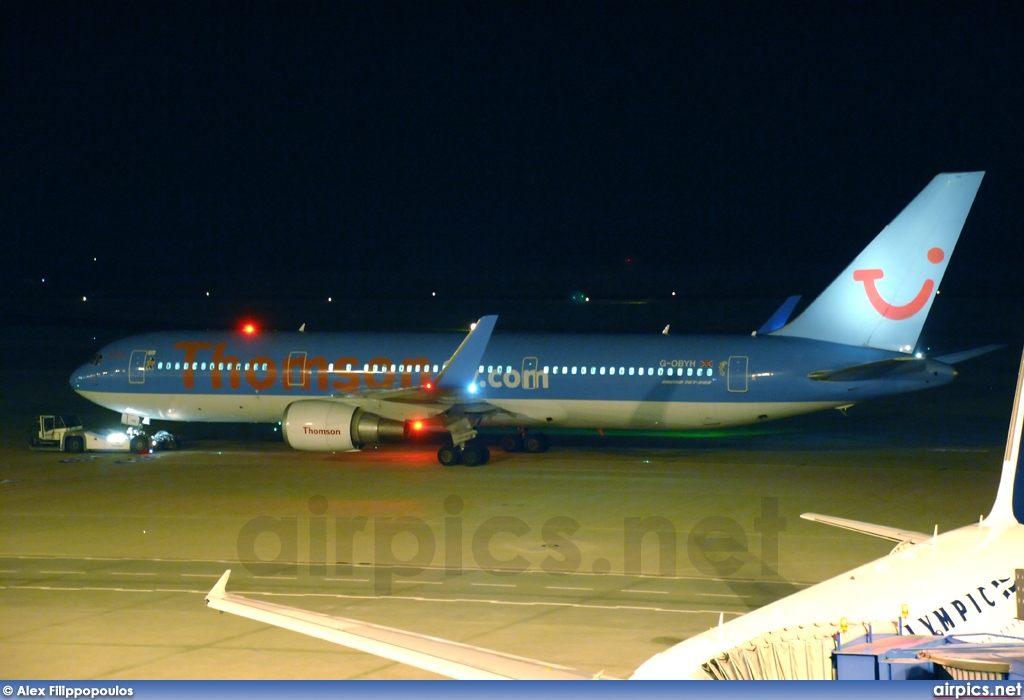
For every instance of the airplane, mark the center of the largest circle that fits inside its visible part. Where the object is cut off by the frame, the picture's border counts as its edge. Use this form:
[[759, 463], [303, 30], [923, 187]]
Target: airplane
[[960, 582], [340, 392]]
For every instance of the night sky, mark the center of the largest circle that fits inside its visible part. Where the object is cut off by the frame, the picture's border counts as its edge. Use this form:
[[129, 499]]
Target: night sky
[[503, 150]]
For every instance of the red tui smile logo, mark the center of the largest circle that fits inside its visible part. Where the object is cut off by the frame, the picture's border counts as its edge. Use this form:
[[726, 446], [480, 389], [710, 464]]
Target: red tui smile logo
[[898, 313]]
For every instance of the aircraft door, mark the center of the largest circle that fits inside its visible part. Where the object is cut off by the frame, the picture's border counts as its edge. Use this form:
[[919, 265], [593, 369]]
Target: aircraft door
[[530, 372], [737, 380], [295, 373], [140, 361]]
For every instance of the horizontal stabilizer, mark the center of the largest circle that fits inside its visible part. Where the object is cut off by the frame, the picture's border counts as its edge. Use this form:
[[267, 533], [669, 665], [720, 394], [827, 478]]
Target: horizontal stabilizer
[[781, 316], [894, 534], [956, 357], [450, 659], [893, 368]]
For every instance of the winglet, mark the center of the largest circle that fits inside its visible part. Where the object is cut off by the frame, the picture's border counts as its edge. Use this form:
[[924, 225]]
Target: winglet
[[219, 589], [780, 317], [1009, 503], [461, 369]]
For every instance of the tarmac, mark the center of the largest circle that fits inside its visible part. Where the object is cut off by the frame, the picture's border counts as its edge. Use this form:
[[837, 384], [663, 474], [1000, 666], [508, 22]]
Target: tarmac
[[595, 555]]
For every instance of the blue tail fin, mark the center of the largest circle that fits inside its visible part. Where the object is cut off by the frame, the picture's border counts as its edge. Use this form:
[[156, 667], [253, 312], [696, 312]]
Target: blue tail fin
[[882, 299], [1009, 503]]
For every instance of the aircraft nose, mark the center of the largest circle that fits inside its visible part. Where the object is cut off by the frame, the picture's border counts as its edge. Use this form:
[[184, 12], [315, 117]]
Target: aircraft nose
[[83, 378]]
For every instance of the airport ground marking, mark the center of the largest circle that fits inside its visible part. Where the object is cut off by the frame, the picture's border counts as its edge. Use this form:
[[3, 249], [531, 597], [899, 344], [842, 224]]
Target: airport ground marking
[[495, 585]]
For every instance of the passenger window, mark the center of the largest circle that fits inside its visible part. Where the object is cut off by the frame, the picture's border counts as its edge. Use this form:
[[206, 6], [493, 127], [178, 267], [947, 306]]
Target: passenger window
[[247, 366], [602, 371], [689, 371], [661, 371], [631, 371], [622, 371], [574, 370]]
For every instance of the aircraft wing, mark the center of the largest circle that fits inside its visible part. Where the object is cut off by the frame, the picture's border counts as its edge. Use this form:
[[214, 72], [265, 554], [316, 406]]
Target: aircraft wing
[[894, 534], [446, 658], [454, 385]]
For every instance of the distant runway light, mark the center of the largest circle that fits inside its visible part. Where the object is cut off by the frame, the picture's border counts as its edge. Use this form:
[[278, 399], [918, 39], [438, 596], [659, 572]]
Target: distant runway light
[[328, 298], [433, 294], [83, 299]]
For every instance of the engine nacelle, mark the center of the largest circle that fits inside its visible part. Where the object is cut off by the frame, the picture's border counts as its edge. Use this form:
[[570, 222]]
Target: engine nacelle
[[329, 426]]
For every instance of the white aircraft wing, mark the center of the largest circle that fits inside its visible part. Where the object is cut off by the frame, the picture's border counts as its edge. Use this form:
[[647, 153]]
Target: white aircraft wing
[[446, 658], [454, 385], [886, 533]]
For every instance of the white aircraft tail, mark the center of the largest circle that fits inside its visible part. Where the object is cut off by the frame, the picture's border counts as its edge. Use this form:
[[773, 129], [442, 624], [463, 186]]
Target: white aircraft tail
[[882, 299], [1009, 503]]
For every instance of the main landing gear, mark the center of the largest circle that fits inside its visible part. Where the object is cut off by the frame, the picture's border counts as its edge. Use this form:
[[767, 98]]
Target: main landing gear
[[525, 442], [472, 453]]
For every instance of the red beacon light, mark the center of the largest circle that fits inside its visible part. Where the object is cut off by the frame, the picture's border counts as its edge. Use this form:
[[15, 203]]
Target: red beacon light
[[249, 328], [417, 425]]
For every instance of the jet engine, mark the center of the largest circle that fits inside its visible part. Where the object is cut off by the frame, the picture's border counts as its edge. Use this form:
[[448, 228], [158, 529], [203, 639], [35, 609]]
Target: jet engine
[[329, 426]]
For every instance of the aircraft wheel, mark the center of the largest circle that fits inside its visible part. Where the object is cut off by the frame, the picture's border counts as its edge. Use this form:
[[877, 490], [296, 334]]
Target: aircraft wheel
[[512, 443], [74, 444], [448, 456], [475, 454], [139, 444], [536, 443]]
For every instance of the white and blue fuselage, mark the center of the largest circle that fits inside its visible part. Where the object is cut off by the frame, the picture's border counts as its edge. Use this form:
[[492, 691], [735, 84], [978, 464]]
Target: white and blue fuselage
[[653, 383]]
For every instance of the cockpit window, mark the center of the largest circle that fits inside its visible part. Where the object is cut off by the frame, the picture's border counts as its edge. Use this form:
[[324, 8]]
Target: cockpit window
[[97, 358]]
